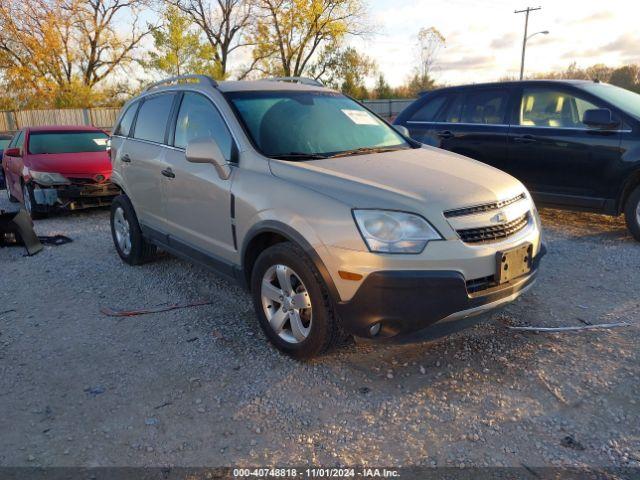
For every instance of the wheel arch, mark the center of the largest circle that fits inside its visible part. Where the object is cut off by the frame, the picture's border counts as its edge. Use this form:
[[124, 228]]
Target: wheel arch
[[630, 184], [270, 232]]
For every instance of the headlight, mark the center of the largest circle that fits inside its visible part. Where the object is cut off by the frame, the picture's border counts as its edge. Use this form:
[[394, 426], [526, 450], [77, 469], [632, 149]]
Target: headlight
[[45, 178], [536, 215], [387, 231]]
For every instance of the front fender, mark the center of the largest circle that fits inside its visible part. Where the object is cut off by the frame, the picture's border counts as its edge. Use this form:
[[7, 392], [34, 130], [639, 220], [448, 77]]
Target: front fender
[[296, 231]]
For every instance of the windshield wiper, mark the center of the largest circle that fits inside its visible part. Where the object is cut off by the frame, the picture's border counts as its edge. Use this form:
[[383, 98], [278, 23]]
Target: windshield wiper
[[364, 151], [299, 156]]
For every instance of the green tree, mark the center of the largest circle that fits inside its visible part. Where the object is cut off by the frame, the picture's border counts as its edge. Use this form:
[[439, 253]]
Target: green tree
[[419, 83], [382, 88], [179, 48], [225, 24], [344, 69], [290, 34]]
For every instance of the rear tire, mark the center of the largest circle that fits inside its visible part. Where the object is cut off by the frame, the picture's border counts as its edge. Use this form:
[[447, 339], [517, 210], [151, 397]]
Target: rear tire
[[632, 213], [292, 302], [127, 235]]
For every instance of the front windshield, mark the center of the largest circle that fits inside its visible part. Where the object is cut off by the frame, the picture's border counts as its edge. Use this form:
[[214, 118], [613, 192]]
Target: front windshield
[[67, 142], [4, 142], [625, 100], [311, 124]]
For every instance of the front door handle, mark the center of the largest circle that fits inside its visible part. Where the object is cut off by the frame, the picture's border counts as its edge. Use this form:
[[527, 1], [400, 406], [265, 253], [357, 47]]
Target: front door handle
[[445, 134], [167, 172], [524, 139], [125, 158]]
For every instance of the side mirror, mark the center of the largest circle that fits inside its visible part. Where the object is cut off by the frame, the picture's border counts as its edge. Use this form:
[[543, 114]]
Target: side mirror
[[598, 118], [402, 130], [13, 152], [206, 150]]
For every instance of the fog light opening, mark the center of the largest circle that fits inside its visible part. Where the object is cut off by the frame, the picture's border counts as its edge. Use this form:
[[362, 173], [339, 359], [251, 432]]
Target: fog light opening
[[374, 329]]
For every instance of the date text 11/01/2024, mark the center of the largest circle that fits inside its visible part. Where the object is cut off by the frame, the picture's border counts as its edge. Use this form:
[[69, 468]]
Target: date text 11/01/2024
[[315, 472]]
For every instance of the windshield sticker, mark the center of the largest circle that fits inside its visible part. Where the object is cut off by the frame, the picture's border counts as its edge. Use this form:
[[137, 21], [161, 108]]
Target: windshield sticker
[[360, 117], [100, 141]]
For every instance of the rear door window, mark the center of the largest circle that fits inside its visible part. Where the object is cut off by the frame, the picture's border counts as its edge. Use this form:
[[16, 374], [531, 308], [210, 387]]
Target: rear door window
[[453, 112], [124, 127], [153, 117], [428, 111], [485, 107]]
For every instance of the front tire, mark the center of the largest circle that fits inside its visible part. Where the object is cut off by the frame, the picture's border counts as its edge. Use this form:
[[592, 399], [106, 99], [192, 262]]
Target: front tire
[[127, 235], [632, 213], [292, 302], [30, 205], [7, 186]]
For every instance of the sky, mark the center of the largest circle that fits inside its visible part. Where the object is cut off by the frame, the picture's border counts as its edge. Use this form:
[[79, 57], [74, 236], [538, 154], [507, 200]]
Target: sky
[[484, 37]]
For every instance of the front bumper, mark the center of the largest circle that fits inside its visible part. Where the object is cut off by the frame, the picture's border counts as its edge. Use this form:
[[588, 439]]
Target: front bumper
[[75, 196], [406, 302]]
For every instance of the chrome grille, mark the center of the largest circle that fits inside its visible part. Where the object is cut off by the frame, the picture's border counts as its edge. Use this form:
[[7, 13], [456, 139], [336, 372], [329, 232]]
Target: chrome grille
[[487, 207], [494, 232]]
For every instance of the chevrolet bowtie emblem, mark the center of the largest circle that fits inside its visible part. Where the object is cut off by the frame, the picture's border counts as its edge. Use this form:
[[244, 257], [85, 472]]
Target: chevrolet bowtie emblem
[[499, 218]]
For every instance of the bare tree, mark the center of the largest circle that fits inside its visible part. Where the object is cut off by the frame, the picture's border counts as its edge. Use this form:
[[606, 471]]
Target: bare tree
[[102, 48], [224, 24], [430, 42]]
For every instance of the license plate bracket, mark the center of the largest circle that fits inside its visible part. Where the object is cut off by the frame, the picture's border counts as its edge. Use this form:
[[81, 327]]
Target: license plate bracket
[[513, 263]]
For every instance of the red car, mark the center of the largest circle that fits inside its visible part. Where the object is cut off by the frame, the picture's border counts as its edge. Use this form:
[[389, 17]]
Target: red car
[[48, 168]]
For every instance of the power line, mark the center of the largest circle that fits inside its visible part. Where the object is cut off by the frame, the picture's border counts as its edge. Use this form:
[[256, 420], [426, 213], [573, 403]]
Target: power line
[[527, 11]]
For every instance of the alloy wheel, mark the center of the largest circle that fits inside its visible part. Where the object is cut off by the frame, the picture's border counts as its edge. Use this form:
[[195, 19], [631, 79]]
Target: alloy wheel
[[286, 303], [122, 231]]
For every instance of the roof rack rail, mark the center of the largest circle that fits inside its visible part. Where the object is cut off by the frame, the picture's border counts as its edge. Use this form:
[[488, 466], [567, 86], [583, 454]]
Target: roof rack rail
[[176, 79], [302, 80]]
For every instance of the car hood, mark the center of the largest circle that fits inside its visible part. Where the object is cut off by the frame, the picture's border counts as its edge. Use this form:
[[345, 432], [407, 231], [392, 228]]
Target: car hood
[[424, 180], [75, 164]]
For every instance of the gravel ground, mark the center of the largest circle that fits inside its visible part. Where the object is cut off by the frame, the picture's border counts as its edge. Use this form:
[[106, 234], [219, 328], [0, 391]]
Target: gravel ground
[[201, 386]]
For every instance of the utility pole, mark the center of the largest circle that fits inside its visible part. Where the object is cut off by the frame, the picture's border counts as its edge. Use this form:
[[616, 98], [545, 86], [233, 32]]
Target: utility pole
[[527, 11]]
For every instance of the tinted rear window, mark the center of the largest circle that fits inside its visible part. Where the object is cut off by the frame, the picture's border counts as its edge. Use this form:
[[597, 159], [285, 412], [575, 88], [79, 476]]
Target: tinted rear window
[[152, 118], [486, 107], [67, 142], [428, 111], [453, 113]]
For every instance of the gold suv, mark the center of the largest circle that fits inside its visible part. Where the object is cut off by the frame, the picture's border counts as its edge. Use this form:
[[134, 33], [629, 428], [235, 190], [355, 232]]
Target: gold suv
[[334, 220]]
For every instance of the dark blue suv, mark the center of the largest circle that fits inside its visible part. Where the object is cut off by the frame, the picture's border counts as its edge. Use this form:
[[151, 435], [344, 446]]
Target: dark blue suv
[[574, 144]]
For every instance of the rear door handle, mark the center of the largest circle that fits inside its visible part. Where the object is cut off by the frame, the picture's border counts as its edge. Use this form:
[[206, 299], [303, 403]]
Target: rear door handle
[[445, 134], [125, 158], [524, 139], [167, 172]]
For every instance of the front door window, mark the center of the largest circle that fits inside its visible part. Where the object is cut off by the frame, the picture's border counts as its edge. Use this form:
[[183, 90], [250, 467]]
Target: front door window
[[543, 107]]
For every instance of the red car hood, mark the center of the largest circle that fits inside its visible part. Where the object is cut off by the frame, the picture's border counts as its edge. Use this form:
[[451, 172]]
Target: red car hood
[[83, 164]]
